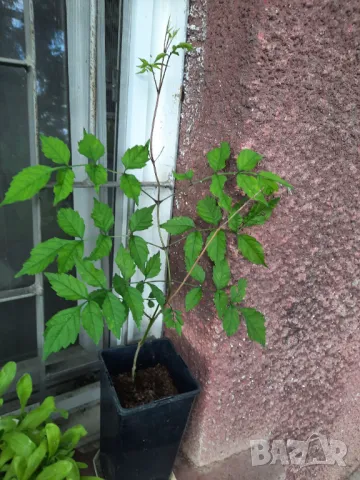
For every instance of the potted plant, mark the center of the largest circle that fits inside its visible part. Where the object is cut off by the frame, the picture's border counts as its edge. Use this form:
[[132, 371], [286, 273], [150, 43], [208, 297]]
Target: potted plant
[[147, 391], [31, 445]]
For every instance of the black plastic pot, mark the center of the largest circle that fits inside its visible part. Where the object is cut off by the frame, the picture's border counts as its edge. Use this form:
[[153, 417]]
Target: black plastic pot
[[141, 443]]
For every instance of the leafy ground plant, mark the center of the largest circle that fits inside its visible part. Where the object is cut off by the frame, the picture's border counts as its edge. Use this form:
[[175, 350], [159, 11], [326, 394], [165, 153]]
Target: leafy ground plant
[[224, 216], [32, 447]]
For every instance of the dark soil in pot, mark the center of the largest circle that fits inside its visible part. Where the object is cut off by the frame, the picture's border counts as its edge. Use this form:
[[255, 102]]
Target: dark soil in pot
[[150, 384]]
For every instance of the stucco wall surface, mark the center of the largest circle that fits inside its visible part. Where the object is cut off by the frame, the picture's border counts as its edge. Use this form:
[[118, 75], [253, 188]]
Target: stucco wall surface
[[282, 77]]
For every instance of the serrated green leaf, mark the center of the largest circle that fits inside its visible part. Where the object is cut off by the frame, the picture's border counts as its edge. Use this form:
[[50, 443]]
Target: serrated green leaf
[[91, 147], [41, 256], [221, 274], [153, 266], [260, 213], [192, 248], [132, 297], [157, 294], [62, 330], [251, 249], [24, 389], [221, 301], [275, 178], [209, 210], [68, 254], [197, 273], [19, 443], [217, 189], [136, 157], [217, 248], [251, 187], [178, 225], [238, 292], [53, 435], [168, 318], [102, 249], [267, 186], [67, 286], [115, 313], [192, 298], [184, 176], [91, 320], [141, 286], [255, 324], [218, 156], [55, 149], [7, 375], [139, 250], [27, 183], [185, 46], [131, 186], [142, 219], [91, 275], [125, 263], [98, 296], [235, 221], [247, 159], [102, 215], [64, 184], [97, 174], [56, 471], [71, 222], [231, 320]]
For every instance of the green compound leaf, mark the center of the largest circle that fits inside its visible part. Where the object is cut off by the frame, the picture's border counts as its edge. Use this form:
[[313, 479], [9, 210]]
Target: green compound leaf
[[41, 256], [64, 184], [97, 174], [55, 149], [102, 249], [231, 320], [221, 301], [218, 156], [62, 330], [125, 263], [91, 147], [251, 187], [217, 189], [142, 219], [255, 324], [184, 176], [27, 183], [157, 294], [178, 225], [139, 250], [91, 319], [131, 186], [217, 248], [91, 275], [192, 248], [132, 297], [251, 249], [260, 213], [221, 274], [68, 254], [136, 157], [235, 221], [71, 222], [102, 215], [247, 159], [153, 266], [275, 178], [67, 286], [238, 292], [115, 313], [192, 298], [209, 210]]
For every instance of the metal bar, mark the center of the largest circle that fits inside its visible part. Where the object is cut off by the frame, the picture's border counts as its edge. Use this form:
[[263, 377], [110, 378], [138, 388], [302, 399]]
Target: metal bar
[[92, 69], [88, 184], [19, 293], [14, 63], [34, 160]]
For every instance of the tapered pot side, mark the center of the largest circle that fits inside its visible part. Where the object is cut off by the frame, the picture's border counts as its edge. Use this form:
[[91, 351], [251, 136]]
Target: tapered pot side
[[141, 443]]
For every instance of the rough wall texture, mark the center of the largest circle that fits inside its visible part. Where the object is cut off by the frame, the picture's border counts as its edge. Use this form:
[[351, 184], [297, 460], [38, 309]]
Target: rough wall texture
[[282, 77]]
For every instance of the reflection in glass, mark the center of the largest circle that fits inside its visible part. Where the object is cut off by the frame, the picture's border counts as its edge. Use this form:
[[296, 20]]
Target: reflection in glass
[[12, 36], [16, 236]]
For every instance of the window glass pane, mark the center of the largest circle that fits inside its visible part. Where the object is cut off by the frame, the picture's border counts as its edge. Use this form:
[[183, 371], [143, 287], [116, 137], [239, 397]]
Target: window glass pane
[[12, 36], [18, 330], [16, 238], [53, 110]]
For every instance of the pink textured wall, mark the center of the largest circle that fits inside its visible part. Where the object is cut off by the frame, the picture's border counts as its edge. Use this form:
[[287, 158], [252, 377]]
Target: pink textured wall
[[282, 77]]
